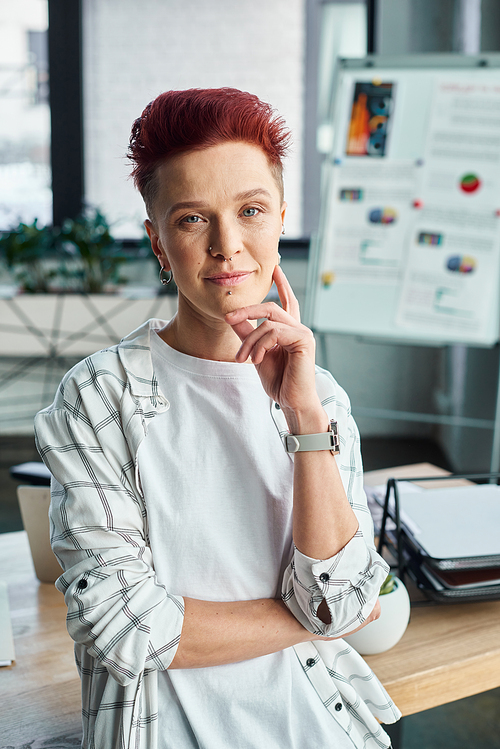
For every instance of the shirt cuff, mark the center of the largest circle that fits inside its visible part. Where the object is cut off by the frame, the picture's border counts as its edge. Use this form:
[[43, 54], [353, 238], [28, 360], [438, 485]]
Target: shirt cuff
[[349, 582]]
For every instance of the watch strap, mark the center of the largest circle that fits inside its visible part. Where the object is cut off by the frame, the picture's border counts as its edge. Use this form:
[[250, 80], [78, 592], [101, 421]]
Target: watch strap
[[297, 443]]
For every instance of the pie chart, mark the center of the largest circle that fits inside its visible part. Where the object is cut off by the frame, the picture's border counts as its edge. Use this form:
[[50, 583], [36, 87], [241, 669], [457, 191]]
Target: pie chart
[[382, 216], [461, 264], [470, 183]]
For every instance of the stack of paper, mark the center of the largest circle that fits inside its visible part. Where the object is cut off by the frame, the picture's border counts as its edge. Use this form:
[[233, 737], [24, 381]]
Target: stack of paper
[[451, 539], [6, 640]]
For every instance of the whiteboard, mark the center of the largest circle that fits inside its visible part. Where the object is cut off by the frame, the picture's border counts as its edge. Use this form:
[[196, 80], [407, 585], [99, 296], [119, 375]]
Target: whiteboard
[[408, 245]]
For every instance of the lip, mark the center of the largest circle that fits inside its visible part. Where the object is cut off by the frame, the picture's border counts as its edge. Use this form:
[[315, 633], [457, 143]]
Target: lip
[[229, 279]]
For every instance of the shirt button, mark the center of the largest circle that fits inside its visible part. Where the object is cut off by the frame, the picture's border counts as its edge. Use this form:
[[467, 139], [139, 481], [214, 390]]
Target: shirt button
[[310, 662], [338, 707], [82, 584], [324, 577]]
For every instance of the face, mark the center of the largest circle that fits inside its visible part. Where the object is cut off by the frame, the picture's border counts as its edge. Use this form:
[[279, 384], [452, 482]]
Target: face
[[226, 198]]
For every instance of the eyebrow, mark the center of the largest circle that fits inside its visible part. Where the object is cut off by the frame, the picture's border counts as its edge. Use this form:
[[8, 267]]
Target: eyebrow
[[194, 204], [253, 194]]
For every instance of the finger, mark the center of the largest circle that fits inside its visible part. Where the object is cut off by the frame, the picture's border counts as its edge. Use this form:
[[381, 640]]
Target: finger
[[267, 311], [258, 351], [268, 335], [242, 329], [285, 293]]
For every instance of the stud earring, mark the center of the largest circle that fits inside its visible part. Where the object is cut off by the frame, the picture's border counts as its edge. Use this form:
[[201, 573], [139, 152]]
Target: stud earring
[[165, 276], [283, 228]]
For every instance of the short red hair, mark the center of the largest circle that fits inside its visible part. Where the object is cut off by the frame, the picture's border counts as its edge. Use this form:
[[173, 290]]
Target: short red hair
[[197, 118]]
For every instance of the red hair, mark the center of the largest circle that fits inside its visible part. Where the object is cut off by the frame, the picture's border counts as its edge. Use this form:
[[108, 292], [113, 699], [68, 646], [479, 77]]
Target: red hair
[[178, 121]]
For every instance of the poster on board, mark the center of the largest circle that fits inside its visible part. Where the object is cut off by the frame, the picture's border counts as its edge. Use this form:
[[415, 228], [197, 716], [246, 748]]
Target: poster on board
[[452, 269], [451, 275], [367, 222], [370, 119], [409, 241]]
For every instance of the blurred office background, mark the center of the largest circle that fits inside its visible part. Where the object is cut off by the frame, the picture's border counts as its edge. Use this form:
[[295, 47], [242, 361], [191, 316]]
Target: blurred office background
[[74, 74], [108, 58]]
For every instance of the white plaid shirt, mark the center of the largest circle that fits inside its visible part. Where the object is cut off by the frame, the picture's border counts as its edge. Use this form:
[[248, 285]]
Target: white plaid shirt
[[125, 625]]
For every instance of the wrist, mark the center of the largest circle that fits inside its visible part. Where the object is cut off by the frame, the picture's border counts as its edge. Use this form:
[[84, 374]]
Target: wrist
[[308, 421]]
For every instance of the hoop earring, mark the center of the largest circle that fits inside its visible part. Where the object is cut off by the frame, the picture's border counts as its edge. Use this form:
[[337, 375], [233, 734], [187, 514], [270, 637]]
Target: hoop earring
[[165, 276]]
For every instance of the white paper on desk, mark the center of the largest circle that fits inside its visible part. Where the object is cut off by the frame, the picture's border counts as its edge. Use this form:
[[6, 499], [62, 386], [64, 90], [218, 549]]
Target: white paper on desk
[[456, 522], [6, 640], [376, 501], [369, 208]]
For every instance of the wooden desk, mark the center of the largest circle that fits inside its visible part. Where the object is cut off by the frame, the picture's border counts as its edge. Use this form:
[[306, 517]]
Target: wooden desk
[[448, 652], [40, 694]]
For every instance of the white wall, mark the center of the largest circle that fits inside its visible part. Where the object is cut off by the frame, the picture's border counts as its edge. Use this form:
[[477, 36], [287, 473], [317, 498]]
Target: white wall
[[135, 50]]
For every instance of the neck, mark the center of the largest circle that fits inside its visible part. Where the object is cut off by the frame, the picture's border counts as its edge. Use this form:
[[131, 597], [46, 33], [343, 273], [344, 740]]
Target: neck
[[187, 333]]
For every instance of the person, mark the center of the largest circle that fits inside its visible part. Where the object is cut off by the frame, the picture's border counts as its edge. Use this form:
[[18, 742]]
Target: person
[[214, 552]]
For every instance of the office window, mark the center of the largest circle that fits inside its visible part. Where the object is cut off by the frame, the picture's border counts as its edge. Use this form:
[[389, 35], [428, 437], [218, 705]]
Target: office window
[[343, 34], [25, 192], [133, 51]]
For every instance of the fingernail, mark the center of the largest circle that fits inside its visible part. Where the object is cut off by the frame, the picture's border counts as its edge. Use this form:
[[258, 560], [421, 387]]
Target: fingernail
[[230, 314]]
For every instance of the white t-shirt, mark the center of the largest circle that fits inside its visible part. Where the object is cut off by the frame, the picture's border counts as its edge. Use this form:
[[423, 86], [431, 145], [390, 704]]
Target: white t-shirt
[[218, 489]]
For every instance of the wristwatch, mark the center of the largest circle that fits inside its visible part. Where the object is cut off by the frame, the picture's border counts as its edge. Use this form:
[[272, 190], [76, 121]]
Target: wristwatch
[[298, 443]]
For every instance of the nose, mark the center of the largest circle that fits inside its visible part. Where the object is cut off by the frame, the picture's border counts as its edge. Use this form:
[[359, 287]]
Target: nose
[[225, 241]]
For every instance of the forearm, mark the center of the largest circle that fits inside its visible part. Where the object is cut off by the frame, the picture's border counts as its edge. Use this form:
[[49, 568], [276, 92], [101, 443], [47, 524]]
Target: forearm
[[214, 634], [323, 520]]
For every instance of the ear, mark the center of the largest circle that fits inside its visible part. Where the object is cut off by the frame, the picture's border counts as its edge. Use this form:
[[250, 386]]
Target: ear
[[283, 211], [156, 244]]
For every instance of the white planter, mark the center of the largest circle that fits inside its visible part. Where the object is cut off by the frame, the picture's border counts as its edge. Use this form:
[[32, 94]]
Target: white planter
[[388, 629]]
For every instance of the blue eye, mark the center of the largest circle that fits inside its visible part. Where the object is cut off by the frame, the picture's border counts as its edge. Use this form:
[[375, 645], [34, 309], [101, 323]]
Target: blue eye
[[250, 212], [192, 219]]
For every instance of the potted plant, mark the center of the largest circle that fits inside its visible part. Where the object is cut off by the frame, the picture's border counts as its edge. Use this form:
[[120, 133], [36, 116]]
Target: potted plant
[[80, 257], [388, 629], [26, 251], [93, 257]]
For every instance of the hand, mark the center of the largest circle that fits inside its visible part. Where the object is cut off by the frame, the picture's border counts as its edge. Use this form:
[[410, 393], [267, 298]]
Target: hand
[[281, 348]]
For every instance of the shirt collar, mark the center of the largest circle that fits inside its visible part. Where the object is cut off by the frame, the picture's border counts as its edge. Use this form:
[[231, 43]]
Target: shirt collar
[[135, 355]]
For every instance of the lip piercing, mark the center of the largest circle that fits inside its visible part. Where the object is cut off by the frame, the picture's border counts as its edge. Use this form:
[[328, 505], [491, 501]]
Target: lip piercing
[[229, 293]]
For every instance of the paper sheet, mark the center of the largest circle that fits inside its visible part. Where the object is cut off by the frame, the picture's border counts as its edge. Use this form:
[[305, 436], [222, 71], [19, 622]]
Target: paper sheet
[[366, 224], [452, 272], [462, 153], [7, 655], [451, 278]]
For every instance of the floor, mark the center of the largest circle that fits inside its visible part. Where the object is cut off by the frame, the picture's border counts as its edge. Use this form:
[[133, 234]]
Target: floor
[[473, 723]]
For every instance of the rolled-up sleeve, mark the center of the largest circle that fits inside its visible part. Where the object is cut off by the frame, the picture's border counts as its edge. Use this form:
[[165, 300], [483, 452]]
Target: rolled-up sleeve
[[117, 609], [349, 581]]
